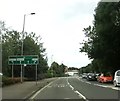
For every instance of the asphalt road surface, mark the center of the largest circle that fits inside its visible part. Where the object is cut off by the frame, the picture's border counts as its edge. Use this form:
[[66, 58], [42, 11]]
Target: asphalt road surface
[[76, 88]]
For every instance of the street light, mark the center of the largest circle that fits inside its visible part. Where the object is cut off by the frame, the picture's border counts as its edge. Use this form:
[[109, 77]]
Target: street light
[[22, 41]]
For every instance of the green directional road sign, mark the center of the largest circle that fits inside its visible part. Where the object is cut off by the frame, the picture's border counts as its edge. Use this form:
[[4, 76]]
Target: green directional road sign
[[22, 60]]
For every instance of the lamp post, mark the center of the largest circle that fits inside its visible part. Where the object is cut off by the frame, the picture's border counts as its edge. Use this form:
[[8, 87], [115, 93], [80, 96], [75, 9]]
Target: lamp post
[[22, 43]]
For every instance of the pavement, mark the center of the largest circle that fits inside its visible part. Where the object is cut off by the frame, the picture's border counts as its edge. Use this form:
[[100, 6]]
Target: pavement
[[23, 90]]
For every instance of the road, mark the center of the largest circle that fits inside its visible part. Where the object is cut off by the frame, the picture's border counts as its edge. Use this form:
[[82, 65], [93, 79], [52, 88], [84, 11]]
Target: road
[[23, 90], [77, 88]]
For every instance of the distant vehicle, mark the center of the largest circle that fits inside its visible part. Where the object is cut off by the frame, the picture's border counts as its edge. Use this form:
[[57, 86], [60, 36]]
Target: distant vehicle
[[84, 75], [76, 74], [103, 78], [91, 76], [116, 80], [97, 75]]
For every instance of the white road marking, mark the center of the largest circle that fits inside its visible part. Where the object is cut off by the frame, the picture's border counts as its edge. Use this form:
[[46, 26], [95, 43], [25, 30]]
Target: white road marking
[[49, 86], [41, 90], [57, 85], [80, 80], [79, 94], [112, 87], [101, 85], [115, 88], [98, 85], [66, 98], [68, 82], [88, 83], [28, 95]]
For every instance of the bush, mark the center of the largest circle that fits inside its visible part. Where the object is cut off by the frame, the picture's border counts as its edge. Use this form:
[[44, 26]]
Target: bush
[[9, 81]]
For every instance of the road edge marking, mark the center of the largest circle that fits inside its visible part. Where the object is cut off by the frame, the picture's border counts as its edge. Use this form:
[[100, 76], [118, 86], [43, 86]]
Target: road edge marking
[[41, 90]]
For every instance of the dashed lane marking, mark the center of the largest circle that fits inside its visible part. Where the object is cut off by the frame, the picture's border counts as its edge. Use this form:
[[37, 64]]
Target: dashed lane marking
[[67, 98], [79, 94], [89, 83], [72, 87], [42, 89]]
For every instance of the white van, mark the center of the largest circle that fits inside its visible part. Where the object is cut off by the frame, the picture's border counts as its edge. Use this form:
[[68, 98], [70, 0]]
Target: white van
[[116, 80]]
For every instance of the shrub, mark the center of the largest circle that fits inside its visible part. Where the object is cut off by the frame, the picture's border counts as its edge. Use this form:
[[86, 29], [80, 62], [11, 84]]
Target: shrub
[[9, 81]]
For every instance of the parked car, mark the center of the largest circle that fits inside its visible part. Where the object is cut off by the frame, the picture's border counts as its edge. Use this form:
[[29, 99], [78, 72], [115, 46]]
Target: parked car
[[116, 80], [103, 78], [91, 76], [97, 75], [84, 75]]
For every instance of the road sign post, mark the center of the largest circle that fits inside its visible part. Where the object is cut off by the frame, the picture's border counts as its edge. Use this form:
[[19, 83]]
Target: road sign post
[[23, 60], [21, 74], [36, 74], [12, 72]]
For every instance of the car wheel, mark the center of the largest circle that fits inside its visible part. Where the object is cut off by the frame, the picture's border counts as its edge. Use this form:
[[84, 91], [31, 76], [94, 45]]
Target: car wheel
[[115, 84]]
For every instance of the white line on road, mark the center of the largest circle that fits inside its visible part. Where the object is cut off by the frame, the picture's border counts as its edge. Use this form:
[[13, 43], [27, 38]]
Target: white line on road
[[112, 87], [115, 88], [28, 95], [71, 87], [41, 90], [89, 83], [68, 82], [66, 98], [79, 94]]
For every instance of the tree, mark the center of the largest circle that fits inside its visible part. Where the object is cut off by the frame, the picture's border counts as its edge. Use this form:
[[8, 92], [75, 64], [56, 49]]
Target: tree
[[57, 70], [62, 69], [12, 44], [103, 38]]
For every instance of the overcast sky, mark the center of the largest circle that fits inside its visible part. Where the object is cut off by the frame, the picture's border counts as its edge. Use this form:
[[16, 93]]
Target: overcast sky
[[58, 22]]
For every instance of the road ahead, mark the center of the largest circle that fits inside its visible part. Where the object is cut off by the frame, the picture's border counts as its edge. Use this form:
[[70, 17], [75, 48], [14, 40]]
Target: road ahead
[[59, 89], [76, 88]]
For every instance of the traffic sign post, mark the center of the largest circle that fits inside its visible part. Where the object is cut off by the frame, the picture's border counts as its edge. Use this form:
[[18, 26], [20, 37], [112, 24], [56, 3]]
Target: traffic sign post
[[12, 72], [36, 74], [23, 60]]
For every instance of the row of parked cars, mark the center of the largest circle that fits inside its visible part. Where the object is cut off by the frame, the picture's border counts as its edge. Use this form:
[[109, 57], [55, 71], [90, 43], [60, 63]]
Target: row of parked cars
[[103, 78]]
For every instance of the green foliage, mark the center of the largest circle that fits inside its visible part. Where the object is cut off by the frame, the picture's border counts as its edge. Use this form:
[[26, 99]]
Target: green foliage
[[8, 81], [103, 38], [57, 70], [49, 74], [12, 45]]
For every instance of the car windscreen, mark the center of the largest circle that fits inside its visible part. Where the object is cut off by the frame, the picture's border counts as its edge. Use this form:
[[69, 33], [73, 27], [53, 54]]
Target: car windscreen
[[118, 73]]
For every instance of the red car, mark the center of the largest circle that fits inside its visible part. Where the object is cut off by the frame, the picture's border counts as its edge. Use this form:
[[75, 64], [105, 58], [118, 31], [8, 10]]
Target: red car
[[105, 78]]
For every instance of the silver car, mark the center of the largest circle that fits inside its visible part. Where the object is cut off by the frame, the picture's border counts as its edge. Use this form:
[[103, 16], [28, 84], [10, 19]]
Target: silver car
[[116, 80]]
